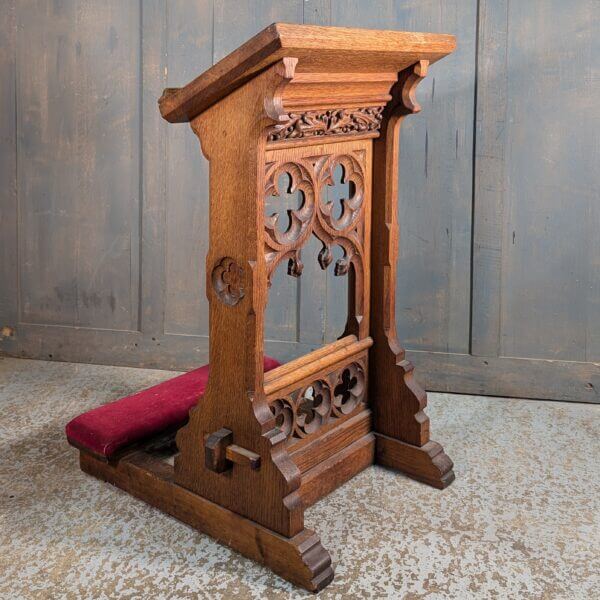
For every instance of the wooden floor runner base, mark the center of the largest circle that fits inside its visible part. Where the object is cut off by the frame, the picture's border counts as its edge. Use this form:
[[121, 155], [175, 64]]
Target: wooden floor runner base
[[328, 475], [301, 559], [428, 463]]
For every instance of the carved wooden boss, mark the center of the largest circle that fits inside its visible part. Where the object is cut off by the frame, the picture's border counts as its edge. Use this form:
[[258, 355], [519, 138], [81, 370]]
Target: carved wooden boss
[[299, 101]]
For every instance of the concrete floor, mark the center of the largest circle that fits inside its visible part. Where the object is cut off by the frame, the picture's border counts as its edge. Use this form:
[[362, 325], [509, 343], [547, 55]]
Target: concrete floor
[[522, 519]]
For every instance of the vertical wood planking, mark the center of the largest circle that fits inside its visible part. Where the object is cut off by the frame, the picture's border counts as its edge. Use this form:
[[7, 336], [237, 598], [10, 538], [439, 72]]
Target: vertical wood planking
[[97, 244], [316, 12], [435, 186], [236, 21], [78, 179], [9, 277], [489, 177], [592, 337], [153, 167], [189, 52], [550, 266]]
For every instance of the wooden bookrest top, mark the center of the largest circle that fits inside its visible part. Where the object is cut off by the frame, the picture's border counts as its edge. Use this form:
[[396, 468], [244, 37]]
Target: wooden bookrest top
[[319, 50]]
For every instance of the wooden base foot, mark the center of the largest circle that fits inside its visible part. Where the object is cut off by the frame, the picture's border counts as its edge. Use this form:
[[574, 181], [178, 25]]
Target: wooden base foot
[[337, 469], [301, 559], [428, 463]]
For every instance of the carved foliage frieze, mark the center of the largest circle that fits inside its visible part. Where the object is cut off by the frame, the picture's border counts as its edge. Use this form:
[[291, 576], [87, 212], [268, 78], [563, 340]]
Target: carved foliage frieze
[[327, 122], [304, 411]]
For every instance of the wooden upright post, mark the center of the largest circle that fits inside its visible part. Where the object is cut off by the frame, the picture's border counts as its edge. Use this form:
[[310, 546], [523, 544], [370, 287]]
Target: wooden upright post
[[302, 102], [397, 400]]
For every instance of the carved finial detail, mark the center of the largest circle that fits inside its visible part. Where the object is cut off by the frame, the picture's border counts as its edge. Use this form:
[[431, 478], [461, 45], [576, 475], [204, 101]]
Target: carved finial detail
[[228, 281], [295, 265], [326, 122], [341, 266], [325, 257]]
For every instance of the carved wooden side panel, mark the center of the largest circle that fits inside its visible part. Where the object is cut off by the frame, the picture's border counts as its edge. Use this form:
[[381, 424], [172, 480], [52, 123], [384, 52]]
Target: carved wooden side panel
[[307, 171], [339, 393], [234, 399]]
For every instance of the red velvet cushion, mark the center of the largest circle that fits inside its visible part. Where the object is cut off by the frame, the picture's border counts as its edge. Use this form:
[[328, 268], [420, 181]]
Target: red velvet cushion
[[110, 427]]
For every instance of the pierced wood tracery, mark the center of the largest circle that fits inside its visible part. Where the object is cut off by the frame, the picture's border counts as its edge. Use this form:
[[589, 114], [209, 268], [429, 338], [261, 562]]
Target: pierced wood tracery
[[351, 174], [305, 410], [315, 215], [300, 218]]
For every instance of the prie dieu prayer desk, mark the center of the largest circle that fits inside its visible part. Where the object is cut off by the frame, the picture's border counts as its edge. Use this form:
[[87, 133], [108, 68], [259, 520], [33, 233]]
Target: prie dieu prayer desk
[[259, 447]]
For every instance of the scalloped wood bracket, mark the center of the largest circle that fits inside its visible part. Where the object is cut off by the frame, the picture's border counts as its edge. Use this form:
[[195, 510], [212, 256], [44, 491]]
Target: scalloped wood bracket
[[397, 400]]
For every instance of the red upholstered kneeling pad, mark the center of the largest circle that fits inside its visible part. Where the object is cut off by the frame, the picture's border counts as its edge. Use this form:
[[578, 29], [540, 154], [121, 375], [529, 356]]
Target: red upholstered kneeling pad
[[110, 427]]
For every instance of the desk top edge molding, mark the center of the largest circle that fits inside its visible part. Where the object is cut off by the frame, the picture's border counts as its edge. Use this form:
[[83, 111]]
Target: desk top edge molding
[[341, 49]]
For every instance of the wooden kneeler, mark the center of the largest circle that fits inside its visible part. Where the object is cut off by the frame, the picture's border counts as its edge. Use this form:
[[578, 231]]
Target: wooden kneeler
[[296, 101]]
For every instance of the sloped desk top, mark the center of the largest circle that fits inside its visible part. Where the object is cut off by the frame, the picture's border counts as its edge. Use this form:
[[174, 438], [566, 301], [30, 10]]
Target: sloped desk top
[[318, 50]]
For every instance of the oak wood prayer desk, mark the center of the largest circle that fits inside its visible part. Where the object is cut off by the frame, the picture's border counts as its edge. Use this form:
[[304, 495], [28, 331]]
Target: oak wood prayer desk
[[299, 101]]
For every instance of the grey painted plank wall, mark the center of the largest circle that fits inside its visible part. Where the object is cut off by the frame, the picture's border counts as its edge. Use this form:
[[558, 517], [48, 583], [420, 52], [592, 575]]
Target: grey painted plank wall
[[78, 131], [554, 263], [103, 226], [435, 174]]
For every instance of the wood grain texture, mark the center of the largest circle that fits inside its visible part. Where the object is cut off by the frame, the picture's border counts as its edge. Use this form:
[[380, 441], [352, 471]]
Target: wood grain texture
[[318, 449], [536, 298], [427, 463], [234, 396], [366, 50], [9, 226], [300, 559], [282, 319], [397, 400], [78, 131], [284, 124], [337, 469]]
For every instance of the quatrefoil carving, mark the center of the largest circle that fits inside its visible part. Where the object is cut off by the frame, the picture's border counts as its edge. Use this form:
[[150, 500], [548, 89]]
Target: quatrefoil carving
[[343, 169], [298, 181], [342, 265], [228, 281], [314, 407], [311, 178], [284, 415], [350, 389], [307, 409]]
